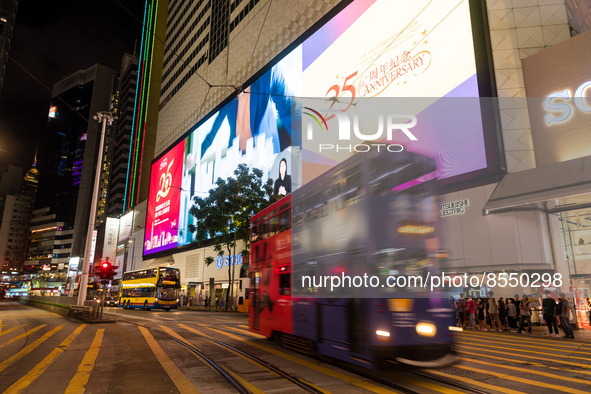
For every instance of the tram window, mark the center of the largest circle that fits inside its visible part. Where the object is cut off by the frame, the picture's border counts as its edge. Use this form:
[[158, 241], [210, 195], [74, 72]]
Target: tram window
[[285, 284], [254, 234], [283, 221], [273, 224], [263, 230]]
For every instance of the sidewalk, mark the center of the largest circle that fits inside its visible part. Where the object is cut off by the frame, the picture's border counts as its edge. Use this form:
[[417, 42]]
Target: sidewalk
[[541, 332]]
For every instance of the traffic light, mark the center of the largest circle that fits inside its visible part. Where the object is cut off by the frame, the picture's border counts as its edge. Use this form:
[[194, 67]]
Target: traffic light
[[107, 270]]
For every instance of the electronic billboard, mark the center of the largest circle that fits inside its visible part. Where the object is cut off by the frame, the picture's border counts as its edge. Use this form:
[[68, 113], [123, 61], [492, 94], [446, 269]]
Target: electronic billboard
[[371, 49]]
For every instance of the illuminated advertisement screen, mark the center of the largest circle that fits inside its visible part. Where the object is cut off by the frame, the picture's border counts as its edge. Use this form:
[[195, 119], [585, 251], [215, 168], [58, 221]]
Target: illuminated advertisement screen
[[163, 208], [370, 49]]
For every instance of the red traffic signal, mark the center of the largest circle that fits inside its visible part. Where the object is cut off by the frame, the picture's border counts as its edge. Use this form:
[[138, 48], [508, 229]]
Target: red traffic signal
[[107, 271]]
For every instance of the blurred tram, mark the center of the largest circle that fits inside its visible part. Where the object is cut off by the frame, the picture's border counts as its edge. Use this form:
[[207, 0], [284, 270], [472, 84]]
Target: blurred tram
[[375, 214]]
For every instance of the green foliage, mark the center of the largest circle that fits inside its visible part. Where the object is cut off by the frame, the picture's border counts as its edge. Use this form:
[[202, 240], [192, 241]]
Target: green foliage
[[224, 214]]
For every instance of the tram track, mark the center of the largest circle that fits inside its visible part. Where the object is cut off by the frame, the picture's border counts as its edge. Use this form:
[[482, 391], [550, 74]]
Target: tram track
[[394, 386], [221, 370], [296, 381], [366, 374]]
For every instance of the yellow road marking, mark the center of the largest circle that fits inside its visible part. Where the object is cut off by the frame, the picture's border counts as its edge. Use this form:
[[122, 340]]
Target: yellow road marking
[[28, 349], [177, 336], [23, 335], [429, 386], [346, 378], [475, 382], [2, 325], [234, 352], [252, 388], [10, 330], [533, 346], [34, 373], [243, 326], [514, 368], [79, 381], [525, 356], [55, 314], [179, 379], [519, 339], [527, 351], [252, 334], [523, 380], [526, 362], [316, 387], [180, 338]]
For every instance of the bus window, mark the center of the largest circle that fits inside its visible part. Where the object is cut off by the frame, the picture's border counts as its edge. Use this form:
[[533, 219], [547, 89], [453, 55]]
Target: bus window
[[285, 283]]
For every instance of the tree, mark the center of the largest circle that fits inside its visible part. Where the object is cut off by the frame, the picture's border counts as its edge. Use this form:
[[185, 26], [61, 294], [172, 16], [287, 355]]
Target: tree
[[224, 215]]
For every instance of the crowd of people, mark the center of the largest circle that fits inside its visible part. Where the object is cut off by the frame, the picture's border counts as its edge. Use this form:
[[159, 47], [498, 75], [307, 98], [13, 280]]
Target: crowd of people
[[512, 314]]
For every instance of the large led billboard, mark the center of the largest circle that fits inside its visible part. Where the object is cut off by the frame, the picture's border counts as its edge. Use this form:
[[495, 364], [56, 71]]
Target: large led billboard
[[370, 49]]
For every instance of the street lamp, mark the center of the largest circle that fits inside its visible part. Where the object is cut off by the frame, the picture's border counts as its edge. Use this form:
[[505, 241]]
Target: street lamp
[[105, 117]]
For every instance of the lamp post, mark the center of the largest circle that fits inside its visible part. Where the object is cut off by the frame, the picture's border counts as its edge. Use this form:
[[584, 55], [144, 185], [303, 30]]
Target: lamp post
[[105, 117]]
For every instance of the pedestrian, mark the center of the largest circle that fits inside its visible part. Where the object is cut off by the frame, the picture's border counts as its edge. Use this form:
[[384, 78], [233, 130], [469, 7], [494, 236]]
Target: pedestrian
[[549, 307], [481, 318], [461, 311], [525, 315], [502, 313], [563, 310], [493, 313], [517, 308], [217, 303], [511, 315], [471, 308]]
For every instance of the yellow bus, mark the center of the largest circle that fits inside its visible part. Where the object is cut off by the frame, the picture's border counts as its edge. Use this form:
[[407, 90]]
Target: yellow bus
[[152, 288]]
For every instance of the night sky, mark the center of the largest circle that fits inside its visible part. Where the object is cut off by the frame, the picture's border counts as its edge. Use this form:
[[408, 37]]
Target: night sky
[[52, 40]]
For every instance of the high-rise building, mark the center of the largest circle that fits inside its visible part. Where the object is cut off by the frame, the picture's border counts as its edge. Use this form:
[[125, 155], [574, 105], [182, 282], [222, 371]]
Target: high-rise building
[[69, 156], [7, 18], [127, 87], [16, 205], [144, 118], [535, 220], [49, 250]]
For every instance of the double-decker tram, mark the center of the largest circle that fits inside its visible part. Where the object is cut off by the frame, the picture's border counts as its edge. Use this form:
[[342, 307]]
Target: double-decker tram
[[340, 266], [152, 288]]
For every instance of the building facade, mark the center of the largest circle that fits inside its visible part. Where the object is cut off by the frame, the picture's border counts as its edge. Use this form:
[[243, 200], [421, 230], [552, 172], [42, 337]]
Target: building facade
[[8, 10], [68, 160], [507, 222], [48, 252]]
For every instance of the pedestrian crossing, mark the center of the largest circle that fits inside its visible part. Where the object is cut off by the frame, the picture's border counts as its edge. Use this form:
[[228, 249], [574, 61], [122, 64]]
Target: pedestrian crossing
[[489, 361], [529, 364]]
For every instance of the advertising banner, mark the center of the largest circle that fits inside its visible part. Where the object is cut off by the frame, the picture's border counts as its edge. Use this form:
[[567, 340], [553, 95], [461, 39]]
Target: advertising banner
[[164, 196]]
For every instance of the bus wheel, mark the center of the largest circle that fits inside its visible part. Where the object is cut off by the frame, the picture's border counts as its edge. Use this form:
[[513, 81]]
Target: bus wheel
[[167, 309], [124, 305], [145, 305], [128, 305]]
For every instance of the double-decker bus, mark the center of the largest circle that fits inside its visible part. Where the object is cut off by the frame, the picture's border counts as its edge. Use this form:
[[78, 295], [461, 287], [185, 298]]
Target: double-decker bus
[[151, 288], [374, 214]]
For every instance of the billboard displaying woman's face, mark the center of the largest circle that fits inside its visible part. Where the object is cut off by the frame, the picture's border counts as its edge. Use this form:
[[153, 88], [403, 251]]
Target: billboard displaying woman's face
[[372, 48]]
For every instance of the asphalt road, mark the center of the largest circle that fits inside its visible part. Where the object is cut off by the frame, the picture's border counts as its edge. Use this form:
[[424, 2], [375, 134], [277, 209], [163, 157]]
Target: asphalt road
[[162, 352]]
